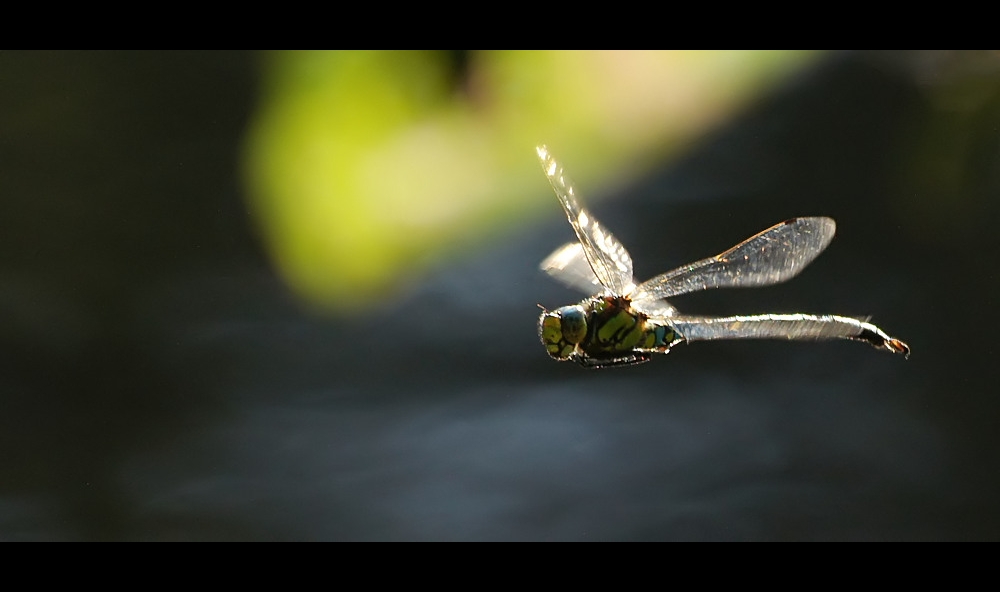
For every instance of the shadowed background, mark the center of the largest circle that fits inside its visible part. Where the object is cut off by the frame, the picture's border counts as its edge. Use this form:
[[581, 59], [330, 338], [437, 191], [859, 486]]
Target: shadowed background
[[228, 312]]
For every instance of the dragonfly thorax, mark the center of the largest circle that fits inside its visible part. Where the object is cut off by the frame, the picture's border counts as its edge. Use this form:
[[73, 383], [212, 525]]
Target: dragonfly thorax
[[603, 331]]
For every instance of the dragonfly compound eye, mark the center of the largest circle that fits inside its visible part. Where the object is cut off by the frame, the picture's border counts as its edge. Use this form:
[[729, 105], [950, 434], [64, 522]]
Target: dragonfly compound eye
[[561, 329], [574, 323]]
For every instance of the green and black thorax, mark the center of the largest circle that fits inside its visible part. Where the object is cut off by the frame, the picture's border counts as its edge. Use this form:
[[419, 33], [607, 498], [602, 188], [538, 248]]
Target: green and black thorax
[[606, 330]]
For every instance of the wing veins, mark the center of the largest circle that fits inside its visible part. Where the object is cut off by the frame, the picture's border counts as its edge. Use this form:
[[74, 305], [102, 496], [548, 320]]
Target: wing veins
[[769, 257]]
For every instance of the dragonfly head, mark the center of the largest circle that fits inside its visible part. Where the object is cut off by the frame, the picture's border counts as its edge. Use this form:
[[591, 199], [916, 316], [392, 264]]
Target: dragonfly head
[[562, 329]]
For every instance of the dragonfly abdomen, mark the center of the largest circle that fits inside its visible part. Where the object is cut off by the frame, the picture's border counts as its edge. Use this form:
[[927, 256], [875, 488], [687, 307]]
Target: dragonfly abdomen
[[659, 336], [616, 328]]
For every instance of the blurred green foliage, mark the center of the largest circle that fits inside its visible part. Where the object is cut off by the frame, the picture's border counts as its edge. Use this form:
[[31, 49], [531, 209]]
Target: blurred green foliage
[[948, 166], [366, 167]]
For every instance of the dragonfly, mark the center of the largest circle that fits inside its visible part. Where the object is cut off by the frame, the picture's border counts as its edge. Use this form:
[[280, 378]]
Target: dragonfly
[[622, 323]]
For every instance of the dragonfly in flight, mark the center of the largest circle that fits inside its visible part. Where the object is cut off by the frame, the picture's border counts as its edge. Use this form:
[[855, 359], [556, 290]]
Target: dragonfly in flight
[[622, 323]]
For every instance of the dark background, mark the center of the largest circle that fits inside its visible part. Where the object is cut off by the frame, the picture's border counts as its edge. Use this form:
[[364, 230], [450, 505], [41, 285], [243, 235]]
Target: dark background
[[158, 381]]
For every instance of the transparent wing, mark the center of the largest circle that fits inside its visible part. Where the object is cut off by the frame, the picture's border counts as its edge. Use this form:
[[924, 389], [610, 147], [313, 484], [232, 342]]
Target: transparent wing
[[770, 257], [569, 265], [656, 308], [786, 326], [608, 259]]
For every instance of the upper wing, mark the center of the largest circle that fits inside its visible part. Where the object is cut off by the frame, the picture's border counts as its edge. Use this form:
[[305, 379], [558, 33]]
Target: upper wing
[[608, 259], [770, 257]]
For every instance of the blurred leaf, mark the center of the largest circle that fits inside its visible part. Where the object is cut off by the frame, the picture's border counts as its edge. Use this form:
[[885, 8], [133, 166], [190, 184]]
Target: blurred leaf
[[950, 162], [364, 168]]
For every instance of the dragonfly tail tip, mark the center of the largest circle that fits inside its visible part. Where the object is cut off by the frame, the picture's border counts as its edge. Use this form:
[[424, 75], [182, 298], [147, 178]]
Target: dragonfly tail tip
[[899, 347]]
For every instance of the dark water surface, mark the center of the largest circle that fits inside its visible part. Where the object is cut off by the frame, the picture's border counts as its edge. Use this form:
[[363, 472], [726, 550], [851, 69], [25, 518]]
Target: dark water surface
[[157, 381]]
